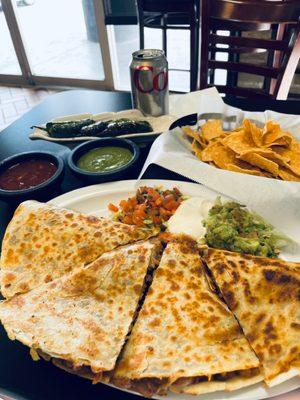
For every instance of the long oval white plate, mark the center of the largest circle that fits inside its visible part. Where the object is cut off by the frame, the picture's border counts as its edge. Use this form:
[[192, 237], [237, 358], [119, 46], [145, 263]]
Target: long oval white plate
[[94, 200], [159, 125]]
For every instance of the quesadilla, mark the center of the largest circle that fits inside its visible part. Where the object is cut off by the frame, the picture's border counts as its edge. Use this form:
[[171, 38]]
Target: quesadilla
[[185, 338], [43, 242], [81, 320], [264, 295]]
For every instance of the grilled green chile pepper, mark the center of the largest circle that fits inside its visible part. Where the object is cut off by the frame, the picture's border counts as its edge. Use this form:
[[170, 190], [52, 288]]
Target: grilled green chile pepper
[[94, 129], [116, 127], [65, 129]]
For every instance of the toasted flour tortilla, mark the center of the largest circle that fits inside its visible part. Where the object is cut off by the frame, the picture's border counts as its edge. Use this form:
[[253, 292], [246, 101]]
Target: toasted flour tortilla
[[43, 242], [185, 337], [264, 295], [81, 320]]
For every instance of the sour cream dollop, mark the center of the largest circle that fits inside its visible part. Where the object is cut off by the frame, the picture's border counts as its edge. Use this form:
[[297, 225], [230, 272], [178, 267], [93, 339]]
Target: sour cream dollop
[[189, 216]]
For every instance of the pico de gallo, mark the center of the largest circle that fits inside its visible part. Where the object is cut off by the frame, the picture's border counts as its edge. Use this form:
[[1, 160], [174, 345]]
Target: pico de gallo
[[151, 206]]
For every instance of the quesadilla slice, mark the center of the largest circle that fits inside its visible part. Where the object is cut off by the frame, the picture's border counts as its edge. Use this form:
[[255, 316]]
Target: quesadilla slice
[[264, 295], [185, 338], [82, 319], [43, 242]]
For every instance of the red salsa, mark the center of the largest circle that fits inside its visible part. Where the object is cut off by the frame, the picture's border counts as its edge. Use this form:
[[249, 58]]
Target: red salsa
[[27, 174]]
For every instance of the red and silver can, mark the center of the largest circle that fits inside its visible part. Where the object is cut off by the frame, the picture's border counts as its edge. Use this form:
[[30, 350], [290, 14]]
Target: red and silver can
[[149, 82]]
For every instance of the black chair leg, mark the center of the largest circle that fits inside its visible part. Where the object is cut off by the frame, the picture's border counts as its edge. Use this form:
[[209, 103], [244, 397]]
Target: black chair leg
[[142, 35], [164, 33], [211, 72], [194, 46], [197, 54], [194, 56]]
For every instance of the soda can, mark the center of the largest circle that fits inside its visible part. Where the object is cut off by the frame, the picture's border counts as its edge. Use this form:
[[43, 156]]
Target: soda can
[[149, 82]]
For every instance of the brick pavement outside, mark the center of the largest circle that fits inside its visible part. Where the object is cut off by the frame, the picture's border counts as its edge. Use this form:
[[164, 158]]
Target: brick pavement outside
[[15, 101]]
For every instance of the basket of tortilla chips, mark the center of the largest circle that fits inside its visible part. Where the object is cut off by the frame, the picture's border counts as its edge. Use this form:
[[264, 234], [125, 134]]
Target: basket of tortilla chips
[[268, 151]]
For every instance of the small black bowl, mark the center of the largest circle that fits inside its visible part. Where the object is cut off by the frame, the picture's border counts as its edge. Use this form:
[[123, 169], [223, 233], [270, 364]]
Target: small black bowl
[[97, 177], [43, 191]]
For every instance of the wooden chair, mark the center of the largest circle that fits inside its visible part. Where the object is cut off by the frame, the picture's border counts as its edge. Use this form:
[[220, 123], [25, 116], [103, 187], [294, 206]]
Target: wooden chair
[[293, 95], [241, 15], [173, 14]]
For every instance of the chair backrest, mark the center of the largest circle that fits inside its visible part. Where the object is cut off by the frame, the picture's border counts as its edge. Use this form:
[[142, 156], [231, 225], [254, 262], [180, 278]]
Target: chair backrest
[[241, 15]]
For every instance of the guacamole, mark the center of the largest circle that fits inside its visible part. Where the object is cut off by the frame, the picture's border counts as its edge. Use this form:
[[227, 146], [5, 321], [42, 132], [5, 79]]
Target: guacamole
[[232, 227]]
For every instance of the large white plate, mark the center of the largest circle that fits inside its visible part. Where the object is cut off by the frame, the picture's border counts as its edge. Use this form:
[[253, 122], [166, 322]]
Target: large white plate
[[94, 200]]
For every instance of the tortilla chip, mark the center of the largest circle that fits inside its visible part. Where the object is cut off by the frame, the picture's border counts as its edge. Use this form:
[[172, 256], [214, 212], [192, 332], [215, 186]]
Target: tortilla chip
[[236, 168], [255, 132], [273, 136], [293, 153], [212, 129], [282, 141], [219, 154], [239, 141], [287, 175], [197, 149], [269, 127], [273, 156], [258, 161], [191, 133], [208, 152]]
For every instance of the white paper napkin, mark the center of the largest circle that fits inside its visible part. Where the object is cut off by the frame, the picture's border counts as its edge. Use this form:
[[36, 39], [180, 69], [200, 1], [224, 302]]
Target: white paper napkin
[[201, 101]]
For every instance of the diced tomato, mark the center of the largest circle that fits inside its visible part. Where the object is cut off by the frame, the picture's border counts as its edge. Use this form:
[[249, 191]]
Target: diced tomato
[[127, 220], [136, 219], [124, 205], [155, 196], [156, 220], [140, 211], [132, 202], [171, 205], [163, 211], [113, 208]]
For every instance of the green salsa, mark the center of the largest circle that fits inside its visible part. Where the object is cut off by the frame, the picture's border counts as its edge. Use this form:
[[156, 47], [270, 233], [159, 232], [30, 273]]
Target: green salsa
[[104, 159], [232, 227]]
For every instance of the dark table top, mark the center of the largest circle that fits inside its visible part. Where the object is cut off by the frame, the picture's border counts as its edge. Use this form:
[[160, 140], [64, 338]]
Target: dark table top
[[14, 139], [20, 377]]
